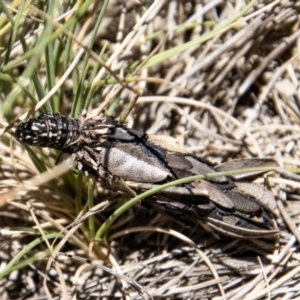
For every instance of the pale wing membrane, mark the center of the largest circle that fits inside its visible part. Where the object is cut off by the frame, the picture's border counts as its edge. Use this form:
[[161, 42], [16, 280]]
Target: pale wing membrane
[[247, 163]]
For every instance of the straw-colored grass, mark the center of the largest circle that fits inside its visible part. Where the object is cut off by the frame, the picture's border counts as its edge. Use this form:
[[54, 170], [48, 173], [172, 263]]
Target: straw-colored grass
[[221, 76]]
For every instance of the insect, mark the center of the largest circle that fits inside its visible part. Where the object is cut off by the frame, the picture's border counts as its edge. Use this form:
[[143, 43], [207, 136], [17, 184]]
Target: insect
[[126, 160], [51, 130]]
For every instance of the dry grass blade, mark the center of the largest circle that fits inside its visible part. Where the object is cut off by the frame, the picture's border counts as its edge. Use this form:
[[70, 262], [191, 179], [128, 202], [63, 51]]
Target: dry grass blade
[[133, 283]]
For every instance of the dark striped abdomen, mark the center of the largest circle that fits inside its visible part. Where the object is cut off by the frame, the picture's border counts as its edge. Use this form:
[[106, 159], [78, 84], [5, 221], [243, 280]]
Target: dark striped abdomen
[[51, 130]]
